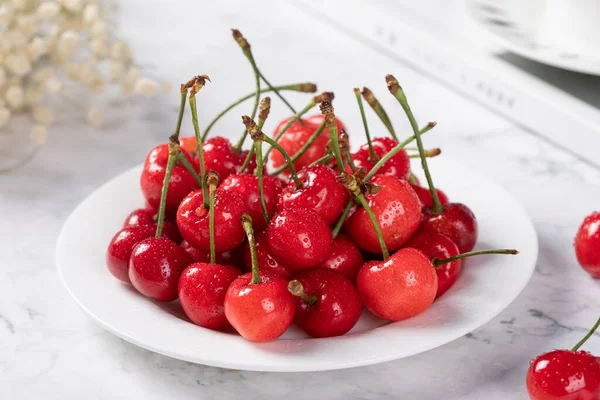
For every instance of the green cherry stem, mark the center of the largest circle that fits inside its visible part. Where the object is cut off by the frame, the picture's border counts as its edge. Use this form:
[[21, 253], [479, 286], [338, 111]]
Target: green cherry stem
[[342, 219], [376, 106], [212, 179], [274, 89], [196, 86], [305, 87], [350, 182], [246, 49], [323, 160], [437, 262], [185, 162], [372, 154], [395, 151], [173, 152], [296, 288], [303, 149], [329, 116], [413, 179], [183, 91], [587, 336], [428, 153], [345, 149], [247, 224], [263, 114], [396, 90]]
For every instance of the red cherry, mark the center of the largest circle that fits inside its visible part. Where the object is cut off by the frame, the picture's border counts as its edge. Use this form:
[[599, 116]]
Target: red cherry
[[259, 312], [398, 165], [245, 186], [321, 192], [564, 375], [146, 216], [202, 289], [425, 195], [296, 136], [456, 221], [400, 287], [155, 266], [299, 239], [192, 220], [327, 304], [120, 249], [251, 164], [188, 144], [231, 257], [397, 209], [587, 244], [266, 262], [438, 246], [345, 257], [220, 156], [153, 174]]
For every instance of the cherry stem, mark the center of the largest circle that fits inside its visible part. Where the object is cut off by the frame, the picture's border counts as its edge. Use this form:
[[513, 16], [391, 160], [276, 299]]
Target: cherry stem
[[379, 110], [413, 179], [428, 153], [243, 43], [247, 224], [328, 114], [186, 163], [438, 262], [323, 160], [361, 198], [259, 174], [295, 118], [395, 151], [305, 87], [173, 151], [212, 180], [587, 336], [199, 150], [342, 219], [303, 149], [288, 160], [345, 148], [181, 111], [296, 288], [372, 154], [275, 89], [263, 114], [396, 90]]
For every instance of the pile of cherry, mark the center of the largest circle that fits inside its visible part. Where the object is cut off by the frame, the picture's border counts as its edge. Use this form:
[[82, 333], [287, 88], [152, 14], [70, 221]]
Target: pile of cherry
[[308, 232]]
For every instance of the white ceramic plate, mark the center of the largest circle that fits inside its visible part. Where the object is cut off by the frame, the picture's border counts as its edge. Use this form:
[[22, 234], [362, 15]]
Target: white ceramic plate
[[538, 30], [487, 285]]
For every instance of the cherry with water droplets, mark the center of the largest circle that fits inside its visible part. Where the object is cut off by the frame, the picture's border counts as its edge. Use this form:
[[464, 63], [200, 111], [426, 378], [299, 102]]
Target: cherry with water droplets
[[456, 221], [425, 195], [230, 257], [398, 165], [587, 244], [345, 258], [120, 249], [220, 156], [147, 217], [266, 262]]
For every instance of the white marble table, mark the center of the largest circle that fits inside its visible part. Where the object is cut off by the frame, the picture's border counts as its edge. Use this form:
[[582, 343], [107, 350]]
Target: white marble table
[[50, 349]]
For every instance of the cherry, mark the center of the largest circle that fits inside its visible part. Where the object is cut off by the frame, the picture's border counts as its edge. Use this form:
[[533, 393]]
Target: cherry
[[320, 192], [438, 246], [397, 210], [193, 221], [258, 305], [400, 287], [251, 167], [155, 266], [565, 374], [147, 217], [230, 257], [220, 156], [188, 144], [202, 289], [181, 182], [299, 239], [327, 304], [456, 221], [587, 244], [345, 257], [425, 195], [120, 249], [266, 262], [398, 165]]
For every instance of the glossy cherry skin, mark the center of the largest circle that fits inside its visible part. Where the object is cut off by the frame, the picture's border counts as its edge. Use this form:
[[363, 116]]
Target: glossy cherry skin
[[219, 156], [155, 266], [337, 308], [120, 249], [587, 244], [266, 262], [425, 195], [245, 186], [296, 136], [188, 143], [251, 164], [564, 375], [202, 289], [146, 217], [230, 257], [400, 287], [457, 221], [192, 220], [153, 175], [398, 165], [397, 209], [321, 192], [436, 245], [345, 257], [259, 312], [299, 239]]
